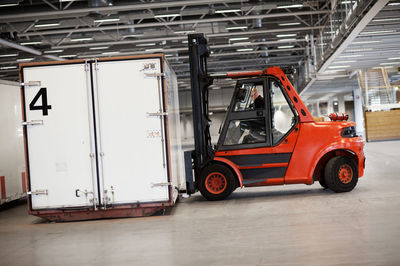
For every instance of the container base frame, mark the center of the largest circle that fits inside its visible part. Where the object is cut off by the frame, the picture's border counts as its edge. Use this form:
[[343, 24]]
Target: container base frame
[[83, 215]]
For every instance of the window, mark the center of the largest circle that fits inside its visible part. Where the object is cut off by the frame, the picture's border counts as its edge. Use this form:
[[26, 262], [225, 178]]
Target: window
[[247, 131], [250, 96], [282, 116]]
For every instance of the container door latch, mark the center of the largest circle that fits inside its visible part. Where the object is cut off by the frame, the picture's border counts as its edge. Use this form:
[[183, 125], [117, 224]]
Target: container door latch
[[32, 123], [158, 114], [165, 184], [38, 192]]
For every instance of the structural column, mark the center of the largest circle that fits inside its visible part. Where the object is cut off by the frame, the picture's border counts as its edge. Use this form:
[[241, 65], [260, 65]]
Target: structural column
[[359, 112], [341, 106]]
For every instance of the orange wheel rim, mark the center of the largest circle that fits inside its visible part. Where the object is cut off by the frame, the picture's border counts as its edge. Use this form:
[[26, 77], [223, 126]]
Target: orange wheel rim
[[345, 174], [216, 183]]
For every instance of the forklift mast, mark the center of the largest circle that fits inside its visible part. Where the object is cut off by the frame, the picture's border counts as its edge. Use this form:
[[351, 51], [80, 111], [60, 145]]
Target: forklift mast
[[200, 81]]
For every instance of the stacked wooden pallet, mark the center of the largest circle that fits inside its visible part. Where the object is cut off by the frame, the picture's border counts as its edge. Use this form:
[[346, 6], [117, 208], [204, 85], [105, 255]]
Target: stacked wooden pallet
[[382, 125]]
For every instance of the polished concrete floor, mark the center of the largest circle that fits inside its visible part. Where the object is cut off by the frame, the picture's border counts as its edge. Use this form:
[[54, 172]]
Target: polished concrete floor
[[291, 225]]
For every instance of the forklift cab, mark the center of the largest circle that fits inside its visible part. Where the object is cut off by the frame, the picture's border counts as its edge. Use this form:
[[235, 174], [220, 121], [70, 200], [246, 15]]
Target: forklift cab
[[260, 115]]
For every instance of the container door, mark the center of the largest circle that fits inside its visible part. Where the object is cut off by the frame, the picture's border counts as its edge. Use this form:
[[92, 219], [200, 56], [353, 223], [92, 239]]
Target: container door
[[132, 147], [58, 133]]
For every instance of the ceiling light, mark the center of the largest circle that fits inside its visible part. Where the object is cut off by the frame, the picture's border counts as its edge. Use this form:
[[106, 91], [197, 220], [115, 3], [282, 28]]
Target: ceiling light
[[53, 51], [227, 11], [392, 63], [167, 15], [394, 4], [375, 32], [385, 19], [289, 24], [344, 62], [145, 44], [106, 20], [394, 58], [347, 2], [333, 71], [364, 42], [46, 25], [8, 55], [242, 43], [109, 53], [285, 46], [12, 4], [244, 50], [29, 43], [99, 48], [237, 28], [168, 55], [184, 31], [154, 50], [333, 67], [68, 55], [81, 39], [286, 35], [132, 35], [8, 67], [25, 59], [286, 40], [184, 41], [351, 55], [238, 39], [290, 6], [359, 50]]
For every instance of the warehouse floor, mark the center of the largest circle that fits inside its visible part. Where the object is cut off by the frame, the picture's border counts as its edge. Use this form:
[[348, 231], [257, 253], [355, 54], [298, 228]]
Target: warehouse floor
[[291, 225]]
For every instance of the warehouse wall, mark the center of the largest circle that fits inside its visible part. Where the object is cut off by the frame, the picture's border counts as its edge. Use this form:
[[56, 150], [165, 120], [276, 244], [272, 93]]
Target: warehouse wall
[[219, 101]]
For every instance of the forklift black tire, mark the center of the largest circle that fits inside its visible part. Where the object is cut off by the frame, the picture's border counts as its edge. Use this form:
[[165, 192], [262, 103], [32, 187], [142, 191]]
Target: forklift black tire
[[341, 174], [216, 182], [322, 182]]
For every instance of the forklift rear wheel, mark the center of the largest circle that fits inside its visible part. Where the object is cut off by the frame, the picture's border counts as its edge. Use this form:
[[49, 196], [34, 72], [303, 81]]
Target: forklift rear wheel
[[341, 174], [216, 182]]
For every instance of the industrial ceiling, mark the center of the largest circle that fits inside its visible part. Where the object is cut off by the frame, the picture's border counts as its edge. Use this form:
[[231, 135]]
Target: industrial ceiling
[[243, 35]]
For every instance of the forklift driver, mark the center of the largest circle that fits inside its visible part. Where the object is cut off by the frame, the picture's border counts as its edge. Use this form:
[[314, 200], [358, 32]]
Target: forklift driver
[[258, 100]]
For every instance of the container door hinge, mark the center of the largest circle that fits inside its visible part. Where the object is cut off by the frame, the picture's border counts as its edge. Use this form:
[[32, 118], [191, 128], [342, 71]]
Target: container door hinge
[[31, 83], [154, 74], [38, 192], [32, 123], [165, 184], [158, 114]]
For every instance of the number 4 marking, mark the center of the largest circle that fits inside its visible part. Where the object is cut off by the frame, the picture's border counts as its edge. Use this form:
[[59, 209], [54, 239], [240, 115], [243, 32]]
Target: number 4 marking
[[44, 107]]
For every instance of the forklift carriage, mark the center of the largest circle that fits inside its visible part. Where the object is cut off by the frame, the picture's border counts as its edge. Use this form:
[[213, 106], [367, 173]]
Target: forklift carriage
[[268, 137]]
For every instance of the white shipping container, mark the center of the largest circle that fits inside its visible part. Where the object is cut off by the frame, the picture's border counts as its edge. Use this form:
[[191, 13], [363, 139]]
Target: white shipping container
[[102, 137], [12, 160]]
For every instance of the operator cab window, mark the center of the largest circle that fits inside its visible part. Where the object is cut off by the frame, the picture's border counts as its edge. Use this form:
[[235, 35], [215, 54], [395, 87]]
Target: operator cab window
[[247, 123], [282, 116], [248, 131], [250, 96]]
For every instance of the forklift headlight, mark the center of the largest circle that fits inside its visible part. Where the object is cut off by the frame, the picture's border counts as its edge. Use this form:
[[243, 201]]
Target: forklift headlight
[[348, 132]]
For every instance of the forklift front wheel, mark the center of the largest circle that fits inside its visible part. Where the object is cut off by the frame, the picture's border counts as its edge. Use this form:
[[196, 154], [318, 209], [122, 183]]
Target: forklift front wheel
[[341, 174], [322, 182], [216, 182]]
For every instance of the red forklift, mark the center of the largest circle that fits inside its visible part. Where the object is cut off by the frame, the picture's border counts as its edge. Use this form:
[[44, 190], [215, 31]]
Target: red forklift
[[268, 137]]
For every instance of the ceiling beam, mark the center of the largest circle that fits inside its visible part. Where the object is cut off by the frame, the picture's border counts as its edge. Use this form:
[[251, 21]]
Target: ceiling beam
[[27, 49], [170, 23], [110, 9], [354, 33]]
